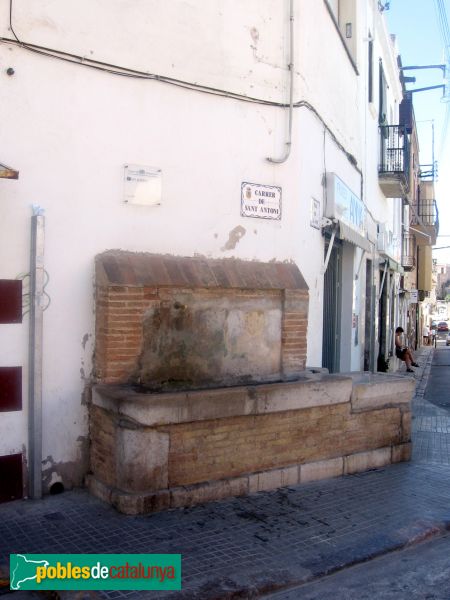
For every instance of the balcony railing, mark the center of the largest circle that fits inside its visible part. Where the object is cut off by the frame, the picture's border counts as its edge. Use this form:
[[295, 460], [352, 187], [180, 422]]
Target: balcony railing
[[394, 163], [425, 219], [427, 213]]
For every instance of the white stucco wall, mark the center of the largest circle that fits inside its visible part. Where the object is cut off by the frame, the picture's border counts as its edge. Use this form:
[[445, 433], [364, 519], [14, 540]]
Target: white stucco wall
[[69, 130]]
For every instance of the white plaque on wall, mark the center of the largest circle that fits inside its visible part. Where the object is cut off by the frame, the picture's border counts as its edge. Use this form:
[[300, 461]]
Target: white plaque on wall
[[142, 185], [261, 201]]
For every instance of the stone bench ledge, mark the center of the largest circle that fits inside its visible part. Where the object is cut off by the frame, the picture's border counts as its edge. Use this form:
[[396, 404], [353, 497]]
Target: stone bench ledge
[[155, 409], [380, 390]]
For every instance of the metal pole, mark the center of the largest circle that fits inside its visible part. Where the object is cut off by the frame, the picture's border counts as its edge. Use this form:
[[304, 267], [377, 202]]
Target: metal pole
[[35, 356], [432, 150], [382, 281], [330, 248]]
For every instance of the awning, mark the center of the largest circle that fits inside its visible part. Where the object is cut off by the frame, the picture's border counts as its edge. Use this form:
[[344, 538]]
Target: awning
[[392, 265], [395, 266], [348, 234]]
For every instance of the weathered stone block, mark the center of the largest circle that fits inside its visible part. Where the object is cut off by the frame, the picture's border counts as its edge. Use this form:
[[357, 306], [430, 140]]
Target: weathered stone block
[[154, 409], [333, 389], [138, 504], [142, 459], [406, 426], [363, 461], [271, 480], [323, 469], [207, 492], [372, 391], [401, 453]]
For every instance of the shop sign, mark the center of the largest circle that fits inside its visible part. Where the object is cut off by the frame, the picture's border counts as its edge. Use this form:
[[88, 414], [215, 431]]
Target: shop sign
[[344, 205], [260, 201]]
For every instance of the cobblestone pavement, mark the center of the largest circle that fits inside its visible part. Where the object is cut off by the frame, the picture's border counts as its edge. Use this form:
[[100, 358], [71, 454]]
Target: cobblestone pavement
[[243, 547]]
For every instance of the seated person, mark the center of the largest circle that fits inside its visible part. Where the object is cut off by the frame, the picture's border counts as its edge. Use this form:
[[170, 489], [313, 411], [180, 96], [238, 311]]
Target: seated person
[[402, 351]]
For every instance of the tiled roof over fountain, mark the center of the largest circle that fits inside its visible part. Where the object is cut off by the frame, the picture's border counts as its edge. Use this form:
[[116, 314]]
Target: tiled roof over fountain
[[140, 269]]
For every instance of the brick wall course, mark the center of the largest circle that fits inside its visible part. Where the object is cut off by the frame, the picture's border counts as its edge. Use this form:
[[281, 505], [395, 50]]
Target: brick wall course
[[217, 449], [130, 285]]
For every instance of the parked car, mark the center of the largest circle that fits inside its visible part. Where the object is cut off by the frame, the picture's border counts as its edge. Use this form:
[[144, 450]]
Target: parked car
[[442, 326], [447, 340]]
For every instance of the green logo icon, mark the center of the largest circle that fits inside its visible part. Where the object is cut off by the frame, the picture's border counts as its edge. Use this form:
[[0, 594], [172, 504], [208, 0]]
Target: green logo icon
[[95, 571]]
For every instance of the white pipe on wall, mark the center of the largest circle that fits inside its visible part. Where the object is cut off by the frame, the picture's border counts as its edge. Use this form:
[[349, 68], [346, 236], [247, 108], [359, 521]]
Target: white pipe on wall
[[291, 86]]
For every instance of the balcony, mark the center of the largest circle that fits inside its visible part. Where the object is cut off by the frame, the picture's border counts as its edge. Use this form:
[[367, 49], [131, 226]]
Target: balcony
[[408, 252], [425, 220], [393, 170]]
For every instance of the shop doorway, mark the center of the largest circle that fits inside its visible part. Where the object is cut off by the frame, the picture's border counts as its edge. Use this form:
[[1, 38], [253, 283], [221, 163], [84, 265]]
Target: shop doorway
[[332, 300]]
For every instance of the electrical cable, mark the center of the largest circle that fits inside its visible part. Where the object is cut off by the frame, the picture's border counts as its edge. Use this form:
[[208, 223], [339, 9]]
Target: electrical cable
[[136, 74], [122, 71]]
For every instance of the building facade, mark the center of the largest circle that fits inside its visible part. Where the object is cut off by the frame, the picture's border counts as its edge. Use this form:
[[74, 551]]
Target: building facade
[[264, 137]]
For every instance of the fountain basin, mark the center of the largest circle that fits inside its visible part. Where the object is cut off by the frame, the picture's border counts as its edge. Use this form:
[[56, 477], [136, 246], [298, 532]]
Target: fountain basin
[[154, 451]]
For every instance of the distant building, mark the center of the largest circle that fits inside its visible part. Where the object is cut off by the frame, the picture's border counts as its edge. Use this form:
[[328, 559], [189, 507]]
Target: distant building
[[443, 281]]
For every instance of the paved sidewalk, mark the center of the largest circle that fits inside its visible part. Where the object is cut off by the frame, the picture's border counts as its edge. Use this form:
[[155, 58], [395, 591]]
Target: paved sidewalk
[[245, 547], [431, 423]]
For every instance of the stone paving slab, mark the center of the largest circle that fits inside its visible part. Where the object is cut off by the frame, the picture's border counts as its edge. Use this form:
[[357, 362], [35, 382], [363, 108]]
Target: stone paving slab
[[243, 547]]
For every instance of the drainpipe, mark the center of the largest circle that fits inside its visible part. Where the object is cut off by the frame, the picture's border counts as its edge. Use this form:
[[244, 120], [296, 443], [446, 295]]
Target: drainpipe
[[291, 87], [35, 355]]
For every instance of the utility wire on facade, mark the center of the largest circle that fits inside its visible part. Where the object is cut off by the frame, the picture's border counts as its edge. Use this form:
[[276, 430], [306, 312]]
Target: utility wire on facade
[[113, 69]]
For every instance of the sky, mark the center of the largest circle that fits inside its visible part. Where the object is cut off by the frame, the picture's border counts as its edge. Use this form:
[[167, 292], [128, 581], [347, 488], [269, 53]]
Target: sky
[[420, 41]]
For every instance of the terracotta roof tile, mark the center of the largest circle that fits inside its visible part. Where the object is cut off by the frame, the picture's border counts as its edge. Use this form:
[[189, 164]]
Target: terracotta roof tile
[[117, 267]]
